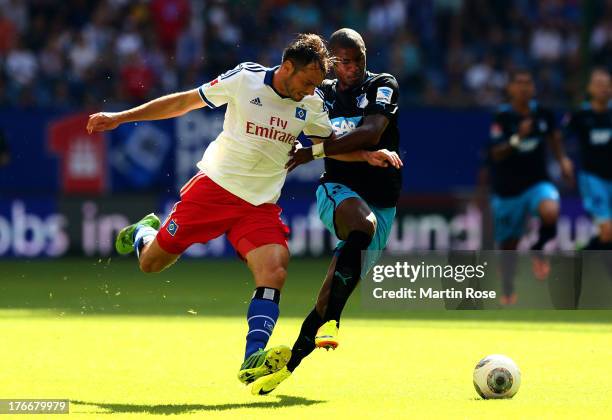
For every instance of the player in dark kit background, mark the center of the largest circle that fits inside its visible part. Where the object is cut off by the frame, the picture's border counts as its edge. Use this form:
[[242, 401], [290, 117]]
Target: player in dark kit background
[[355, 203], [520, 182], [591, 124]]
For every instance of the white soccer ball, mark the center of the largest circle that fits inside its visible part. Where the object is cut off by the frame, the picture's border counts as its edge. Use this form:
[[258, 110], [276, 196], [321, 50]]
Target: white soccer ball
[[497, 376]]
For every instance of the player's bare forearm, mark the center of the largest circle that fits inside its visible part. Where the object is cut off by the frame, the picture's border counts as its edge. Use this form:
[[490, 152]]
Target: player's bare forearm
[[565, 163], [556, 146], [356, 156], [366, 135], [167, 106]]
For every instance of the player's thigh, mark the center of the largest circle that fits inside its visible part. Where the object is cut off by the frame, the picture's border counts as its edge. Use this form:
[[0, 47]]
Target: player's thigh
[[342, 210], [154, 259], [268, 263]]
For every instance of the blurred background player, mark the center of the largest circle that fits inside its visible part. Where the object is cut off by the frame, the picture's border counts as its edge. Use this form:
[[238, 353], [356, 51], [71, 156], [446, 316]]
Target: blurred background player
[[242, 173], [355, 201], [520, 182], [592, 125]]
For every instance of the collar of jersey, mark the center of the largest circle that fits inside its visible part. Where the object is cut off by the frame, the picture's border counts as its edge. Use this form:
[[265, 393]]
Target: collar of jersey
[[268, 81], [368, 77]]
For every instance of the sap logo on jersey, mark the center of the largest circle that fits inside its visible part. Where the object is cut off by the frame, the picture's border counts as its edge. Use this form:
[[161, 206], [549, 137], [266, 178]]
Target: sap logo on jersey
[[343, 125], [383, 95], [300, 113], [528, 145], [172, 227]]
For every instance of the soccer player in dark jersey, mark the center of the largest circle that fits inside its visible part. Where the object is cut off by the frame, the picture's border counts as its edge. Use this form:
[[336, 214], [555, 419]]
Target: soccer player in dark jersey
[[521, 186], [356, 201], [592, 125]]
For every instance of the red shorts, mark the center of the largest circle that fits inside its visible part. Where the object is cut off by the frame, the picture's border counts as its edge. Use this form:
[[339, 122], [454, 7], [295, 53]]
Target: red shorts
[[207, 211]]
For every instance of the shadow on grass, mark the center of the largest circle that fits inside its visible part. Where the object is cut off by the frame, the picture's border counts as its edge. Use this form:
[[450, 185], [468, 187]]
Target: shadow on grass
[[282, 401]]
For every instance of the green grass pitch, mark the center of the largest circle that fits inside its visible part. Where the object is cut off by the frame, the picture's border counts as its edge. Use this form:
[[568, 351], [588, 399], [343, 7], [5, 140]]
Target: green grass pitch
[[120, 344]]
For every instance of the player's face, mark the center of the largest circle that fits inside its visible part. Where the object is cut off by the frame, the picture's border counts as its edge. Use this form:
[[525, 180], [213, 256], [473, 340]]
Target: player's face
[[600, 87], [349, 66], [303, 82], [522, 88]]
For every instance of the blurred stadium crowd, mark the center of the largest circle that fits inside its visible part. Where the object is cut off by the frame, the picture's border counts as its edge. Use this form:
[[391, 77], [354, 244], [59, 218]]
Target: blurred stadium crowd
[[443, 52]]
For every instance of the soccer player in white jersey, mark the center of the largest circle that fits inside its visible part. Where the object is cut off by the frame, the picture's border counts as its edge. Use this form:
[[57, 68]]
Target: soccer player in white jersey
[[240, 179]]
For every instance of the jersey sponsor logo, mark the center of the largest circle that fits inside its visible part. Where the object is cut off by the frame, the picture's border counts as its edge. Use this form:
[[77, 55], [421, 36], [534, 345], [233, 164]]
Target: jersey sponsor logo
[[528, 145], [362, 101], [256, 101], [343, 125], [172, 228], [300, 113], [600, 136], [383, 95], [269, 133]]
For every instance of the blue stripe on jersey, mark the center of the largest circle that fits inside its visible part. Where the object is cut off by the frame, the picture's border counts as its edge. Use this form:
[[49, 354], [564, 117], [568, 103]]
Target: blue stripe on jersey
[[205, 99], [230, 73], [253, 66], [318, 92]]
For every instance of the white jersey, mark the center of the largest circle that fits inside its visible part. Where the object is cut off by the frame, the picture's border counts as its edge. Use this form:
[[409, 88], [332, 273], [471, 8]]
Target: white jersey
[[248, 158]]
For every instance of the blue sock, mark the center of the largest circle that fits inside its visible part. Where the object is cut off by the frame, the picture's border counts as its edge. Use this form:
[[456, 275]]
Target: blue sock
[[261, 317], [143, 235]]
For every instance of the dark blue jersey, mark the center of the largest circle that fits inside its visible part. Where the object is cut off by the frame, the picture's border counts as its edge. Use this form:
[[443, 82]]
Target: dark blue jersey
[[378, 94], [526, 165], [594, 133]]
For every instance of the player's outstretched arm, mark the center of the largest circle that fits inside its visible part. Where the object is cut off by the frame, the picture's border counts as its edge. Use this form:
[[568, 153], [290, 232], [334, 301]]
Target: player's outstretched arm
[[382, 157], [366, 135], [168, 106]]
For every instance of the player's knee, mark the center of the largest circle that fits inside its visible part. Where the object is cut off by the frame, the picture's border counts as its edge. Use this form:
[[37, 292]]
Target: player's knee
[[148, 265], [605, 232], [273, 276], [366, 225], [549, 213]]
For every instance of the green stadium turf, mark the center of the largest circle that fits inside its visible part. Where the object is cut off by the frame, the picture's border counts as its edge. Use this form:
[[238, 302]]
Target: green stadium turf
[[121, 344]]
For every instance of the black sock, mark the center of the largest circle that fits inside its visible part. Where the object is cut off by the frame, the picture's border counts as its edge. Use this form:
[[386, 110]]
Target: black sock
[[545, 234], [507, 265], [305, 343], [347, 274]]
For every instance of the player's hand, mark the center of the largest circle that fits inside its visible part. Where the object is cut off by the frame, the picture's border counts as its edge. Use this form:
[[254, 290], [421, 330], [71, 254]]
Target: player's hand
[[299, 156], [102, 121], [384, 158], [567, 171], [525, 127]]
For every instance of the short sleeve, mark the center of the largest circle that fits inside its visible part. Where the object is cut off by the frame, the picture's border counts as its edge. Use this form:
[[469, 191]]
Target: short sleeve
[[382, 96], [221, 90], [317, 122]]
